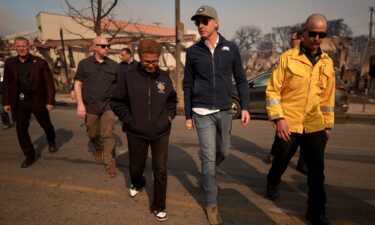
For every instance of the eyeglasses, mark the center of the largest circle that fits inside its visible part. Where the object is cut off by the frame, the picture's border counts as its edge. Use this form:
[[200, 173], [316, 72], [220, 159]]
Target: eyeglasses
[[321, 35], [104, 46], [203, 21], [154, 63]]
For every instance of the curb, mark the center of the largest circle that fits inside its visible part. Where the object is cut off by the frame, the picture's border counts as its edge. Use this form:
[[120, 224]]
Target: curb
[[65, 104], [355, 118]]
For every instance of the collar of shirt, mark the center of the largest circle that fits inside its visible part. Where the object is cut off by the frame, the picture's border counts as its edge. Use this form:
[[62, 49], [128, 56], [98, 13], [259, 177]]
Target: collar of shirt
[[209, 46], [105, 59], [312, 58], [28, 59], [127, 63]]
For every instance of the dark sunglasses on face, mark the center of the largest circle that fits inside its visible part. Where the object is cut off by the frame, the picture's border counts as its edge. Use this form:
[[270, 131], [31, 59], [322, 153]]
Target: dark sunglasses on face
[[154, 63], [203, 21], [320, 34], [104, 46]]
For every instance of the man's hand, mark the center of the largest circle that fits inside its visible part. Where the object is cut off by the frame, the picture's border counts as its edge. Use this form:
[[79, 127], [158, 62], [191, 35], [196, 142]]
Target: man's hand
[[328, 133], [245, 117], [189, 124], [6, 108], [81, 111], [282, 130], [49, 107]]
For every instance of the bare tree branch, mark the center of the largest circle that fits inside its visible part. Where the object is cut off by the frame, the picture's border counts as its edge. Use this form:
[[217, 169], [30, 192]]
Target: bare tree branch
[[92, 8], [281, 37], [339, 28], [78, 34], [245, 37], [119, 27], [95, 12], [110, 9]]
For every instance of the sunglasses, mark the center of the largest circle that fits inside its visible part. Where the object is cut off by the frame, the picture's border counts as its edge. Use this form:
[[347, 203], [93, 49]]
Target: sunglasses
[[321, 35], [203, 21], [146, 62], [104, 46]]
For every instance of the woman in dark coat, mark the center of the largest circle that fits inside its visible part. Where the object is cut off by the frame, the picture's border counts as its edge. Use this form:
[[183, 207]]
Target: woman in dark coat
[[145, 102]]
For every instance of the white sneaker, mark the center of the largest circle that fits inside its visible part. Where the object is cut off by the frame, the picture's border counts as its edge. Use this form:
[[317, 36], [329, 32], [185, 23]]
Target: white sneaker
[[134, 191], [161, 215]]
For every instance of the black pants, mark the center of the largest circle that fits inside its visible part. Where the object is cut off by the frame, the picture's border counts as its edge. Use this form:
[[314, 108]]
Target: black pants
[[276, 144], [312, 149], [22, 114], [138, 150], [5, 118]]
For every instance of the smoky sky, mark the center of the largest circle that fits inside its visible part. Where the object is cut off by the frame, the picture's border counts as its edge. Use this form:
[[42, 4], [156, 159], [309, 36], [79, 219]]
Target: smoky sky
[[10, 24]]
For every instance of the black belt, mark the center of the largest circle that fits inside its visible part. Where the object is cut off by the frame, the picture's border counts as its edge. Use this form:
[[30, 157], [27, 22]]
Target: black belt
[[23, 96]]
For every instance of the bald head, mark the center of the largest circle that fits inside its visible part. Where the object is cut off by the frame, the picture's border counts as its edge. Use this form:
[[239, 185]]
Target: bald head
[[316, 20], [101, 47], [100, 40]]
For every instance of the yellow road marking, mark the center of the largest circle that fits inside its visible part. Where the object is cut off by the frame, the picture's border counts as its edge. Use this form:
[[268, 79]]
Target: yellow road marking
[[277, 216]]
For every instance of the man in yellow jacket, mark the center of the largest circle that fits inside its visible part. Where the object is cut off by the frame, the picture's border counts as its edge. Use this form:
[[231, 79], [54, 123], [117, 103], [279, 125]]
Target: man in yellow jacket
[[300, 101]]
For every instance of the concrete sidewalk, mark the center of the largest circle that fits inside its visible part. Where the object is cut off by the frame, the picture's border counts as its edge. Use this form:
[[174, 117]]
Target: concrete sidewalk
[[64, 99], [354, 114], [361, 109], [358, 113]]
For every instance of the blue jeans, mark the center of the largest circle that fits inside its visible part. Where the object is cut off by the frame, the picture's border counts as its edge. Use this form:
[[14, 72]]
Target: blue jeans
[[214, 139]]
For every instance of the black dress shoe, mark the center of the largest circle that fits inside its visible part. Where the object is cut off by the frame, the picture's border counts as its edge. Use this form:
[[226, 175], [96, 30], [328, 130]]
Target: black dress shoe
[[272, 192], [317, 219], [52, 148], [28, 161]]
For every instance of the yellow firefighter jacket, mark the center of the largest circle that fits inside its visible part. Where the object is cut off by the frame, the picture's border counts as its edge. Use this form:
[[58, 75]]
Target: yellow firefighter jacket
[[302, 94]]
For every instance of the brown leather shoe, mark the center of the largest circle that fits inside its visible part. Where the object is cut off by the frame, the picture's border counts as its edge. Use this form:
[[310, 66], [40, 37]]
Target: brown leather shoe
[[99, 157], [111, 171], [213, 215]]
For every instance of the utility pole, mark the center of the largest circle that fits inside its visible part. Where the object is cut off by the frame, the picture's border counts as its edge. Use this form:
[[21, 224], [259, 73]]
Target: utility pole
[[179, 37], [65, 64], [371, 11], [368, 45]]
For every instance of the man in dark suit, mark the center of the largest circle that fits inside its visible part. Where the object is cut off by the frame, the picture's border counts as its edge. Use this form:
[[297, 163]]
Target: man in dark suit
[[127, 61], [29, 89]]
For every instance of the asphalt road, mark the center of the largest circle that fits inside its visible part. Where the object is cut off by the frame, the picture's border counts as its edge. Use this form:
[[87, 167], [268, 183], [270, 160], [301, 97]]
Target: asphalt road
[[68, 188]]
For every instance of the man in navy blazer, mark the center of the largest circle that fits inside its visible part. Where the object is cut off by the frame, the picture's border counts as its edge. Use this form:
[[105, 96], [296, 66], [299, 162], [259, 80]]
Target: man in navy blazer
[[28, 88]]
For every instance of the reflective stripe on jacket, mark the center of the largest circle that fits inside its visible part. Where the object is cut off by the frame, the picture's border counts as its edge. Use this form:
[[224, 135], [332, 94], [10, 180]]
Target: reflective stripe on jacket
[[302, 94]]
